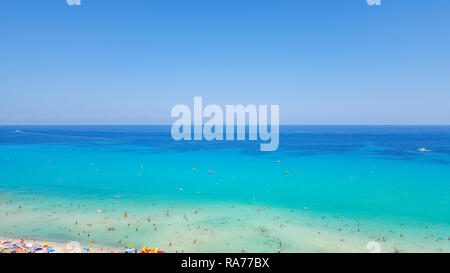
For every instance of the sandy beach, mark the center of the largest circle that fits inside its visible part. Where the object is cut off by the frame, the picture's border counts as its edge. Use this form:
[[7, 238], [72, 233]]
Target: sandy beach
[[26, 245], [8, 245]]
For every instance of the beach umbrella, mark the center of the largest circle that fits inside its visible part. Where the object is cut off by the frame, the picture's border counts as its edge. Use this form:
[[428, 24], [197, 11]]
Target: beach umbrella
[[21, 250], [130, 250]]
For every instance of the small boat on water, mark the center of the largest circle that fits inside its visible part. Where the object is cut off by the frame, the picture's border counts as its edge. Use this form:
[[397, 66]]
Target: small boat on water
[[423, 150]]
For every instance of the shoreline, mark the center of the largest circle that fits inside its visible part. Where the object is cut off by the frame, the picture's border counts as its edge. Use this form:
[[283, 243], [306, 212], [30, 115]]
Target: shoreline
[[30, 245]]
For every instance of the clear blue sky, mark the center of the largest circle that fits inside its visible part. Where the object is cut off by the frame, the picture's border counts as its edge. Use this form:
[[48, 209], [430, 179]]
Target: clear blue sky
[[129, 62]]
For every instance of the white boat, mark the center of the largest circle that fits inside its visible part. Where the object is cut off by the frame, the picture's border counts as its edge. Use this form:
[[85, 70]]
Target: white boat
[[423, 150]]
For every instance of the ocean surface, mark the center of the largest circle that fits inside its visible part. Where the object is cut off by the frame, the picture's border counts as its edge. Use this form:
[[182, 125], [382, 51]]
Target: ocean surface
[[326, 189]]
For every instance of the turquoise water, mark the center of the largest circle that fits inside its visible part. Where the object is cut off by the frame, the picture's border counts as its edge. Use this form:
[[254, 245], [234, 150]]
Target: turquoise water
[[328, 178]]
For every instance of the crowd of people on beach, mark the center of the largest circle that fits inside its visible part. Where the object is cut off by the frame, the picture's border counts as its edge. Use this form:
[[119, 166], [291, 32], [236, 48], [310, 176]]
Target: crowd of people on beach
[[28, 246], [20, 246]]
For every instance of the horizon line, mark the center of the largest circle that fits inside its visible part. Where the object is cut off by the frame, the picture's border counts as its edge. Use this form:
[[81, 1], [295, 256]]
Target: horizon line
[[168, 124]]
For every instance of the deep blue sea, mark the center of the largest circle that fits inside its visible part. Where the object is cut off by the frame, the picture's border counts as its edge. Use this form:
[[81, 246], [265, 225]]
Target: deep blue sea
[[375, 173]]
